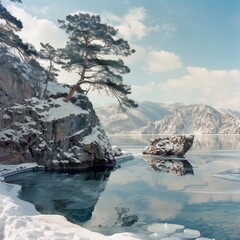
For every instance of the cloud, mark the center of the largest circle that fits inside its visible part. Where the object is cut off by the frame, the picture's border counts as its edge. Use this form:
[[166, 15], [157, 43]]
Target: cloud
[[38, 30], [217, 88], [162, 61], [134, 24]]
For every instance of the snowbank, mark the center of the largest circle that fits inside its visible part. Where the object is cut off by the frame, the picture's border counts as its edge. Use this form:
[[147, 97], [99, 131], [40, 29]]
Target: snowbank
[[10, 170]]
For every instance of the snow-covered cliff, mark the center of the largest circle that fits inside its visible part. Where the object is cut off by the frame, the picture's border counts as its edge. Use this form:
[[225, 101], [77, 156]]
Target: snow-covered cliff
[[159, 118], [47, 130]]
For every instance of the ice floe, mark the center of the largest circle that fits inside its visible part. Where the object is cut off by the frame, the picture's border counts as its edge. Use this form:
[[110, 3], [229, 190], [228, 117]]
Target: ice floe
[[164, 228]]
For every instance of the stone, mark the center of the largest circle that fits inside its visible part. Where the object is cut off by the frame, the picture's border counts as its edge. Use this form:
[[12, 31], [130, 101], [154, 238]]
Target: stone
[[176, 145]]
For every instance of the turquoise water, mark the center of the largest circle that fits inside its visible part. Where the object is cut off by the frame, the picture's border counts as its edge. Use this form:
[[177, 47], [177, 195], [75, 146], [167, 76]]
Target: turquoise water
[[142, 191]]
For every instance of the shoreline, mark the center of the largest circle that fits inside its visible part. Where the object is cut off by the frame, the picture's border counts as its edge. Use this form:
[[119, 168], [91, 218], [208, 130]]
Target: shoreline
[[20, 219], [11, 170]]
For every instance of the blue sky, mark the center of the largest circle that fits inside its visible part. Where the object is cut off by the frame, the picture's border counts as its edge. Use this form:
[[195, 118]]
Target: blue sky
[[187, 51]]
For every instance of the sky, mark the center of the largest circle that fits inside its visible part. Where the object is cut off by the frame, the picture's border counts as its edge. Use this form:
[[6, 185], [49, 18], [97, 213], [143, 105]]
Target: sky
[[186, 51]]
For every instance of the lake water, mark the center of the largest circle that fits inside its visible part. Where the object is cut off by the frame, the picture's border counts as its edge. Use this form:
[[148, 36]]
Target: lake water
[[200, 191]]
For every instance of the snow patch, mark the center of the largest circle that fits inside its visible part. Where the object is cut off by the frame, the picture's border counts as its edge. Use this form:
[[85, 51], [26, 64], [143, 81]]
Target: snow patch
[[62, 110], [9, 170]]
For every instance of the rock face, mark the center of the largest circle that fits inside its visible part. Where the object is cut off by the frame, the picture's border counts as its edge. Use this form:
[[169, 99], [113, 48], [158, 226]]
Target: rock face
[[48, 131], [17, 80], [167, 146]]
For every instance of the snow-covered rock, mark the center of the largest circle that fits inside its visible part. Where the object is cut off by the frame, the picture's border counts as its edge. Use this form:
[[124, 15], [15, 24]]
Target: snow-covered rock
[[48, 131], [176, 145], [14, 82]]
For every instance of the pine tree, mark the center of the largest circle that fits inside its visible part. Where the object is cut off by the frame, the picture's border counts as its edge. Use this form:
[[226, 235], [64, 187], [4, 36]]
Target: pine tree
[[88, 50], [8, 38]]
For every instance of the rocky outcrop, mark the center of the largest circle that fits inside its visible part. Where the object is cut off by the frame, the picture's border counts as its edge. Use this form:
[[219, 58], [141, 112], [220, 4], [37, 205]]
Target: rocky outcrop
[[49, 131], [172, 145]]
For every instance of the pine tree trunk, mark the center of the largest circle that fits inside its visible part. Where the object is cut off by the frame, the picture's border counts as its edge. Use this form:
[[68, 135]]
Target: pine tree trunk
[[72, 91]]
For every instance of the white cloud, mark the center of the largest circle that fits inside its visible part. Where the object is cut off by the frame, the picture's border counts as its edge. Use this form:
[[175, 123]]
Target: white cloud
[[162, 61], [134, 24], [38, 30], [219, 88]]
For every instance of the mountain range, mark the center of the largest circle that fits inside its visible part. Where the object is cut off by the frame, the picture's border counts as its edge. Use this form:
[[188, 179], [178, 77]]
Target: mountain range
[[163, 118]]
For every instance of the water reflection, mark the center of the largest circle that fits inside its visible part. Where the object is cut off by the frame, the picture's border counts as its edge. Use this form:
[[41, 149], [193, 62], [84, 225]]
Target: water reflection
[[69, 194], [201, 142], [180, 167]]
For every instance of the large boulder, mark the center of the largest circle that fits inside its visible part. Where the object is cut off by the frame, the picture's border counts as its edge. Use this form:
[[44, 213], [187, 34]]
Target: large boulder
[[176, 145]]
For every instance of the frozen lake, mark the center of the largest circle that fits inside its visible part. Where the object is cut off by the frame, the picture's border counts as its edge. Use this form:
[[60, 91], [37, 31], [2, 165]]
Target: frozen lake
[[200, 191]]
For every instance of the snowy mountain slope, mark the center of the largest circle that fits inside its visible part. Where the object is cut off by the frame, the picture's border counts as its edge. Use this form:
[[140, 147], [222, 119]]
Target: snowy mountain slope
[[198, 119], [132, 119], [159, 118]]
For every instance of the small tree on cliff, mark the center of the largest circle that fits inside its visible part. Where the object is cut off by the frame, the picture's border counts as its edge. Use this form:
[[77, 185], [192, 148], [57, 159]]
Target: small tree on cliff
[[89, 43], [8, 38], [50, 54]]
